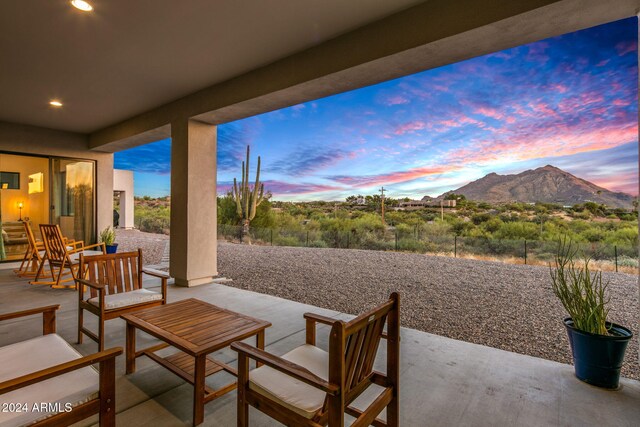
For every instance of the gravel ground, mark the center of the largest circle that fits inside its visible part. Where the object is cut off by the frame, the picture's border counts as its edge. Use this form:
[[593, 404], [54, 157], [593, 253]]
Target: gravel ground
[[505, 306], [152, 245]]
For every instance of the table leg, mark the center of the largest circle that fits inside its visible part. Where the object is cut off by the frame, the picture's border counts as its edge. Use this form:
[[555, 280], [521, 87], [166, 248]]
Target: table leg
[[260, 344], [198, 389], [131, 349]]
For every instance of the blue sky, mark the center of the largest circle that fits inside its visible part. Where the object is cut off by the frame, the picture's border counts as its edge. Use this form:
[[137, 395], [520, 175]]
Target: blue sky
[[569, 101]]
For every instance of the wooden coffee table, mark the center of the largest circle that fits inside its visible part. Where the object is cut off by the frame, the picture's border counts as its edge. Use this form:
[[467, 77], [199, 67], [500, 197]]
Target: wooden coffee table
[[196, 328]]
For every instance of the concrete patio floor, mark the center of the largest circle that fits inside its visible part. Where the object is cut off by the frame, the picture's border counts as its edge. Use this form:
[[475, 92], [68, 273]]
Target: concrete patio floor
[[444, 382]]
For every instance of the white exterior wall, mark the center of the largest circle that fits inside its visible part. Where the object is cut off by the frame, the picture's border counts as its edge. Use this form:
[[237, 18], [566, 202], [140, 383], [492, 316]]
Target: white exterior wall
[[123, 182]]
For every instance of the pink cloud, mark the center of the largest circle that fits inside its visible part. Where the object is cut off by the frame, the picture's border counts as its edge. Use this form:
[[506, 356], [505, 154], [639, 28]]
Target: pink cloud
[[625, 47], [393, 177], [621, 102], [396, 100], [542, 108], [490, 112], [278, 188], [560, 88], [624, 182], [564, 142], [410, 127]]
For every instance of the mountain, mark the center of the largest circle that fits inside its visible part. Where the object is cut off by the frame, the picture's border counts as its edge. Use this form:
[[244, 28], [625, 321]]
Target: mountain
[[546, 184]]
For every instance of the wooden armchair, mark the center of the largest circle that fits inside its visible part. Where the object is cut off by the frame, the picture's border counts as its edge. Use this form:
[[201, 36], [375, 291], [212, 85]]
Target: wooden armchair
[[115, 287], [310, 387], [48, 374]]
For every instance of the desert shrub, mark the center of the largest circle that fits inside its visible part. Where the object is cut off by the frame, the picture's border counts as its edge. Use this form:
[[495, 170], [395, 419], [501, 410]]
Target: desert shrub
[[318, 244], [593, 235], [411, 245], [517, 231], [623, 236], [286, 241], [626, 261], [479, 218], [493, 225]]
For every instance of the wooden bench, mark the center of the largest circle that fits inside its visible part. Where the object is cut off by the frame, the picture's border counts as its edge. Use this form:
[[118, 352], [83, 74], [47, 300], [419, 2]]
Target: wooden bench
[[49, 383]]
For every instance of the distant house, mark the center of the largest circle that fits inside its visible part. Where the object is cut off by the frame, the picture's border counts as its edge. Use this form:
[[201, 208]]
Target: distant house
[[360, 201]]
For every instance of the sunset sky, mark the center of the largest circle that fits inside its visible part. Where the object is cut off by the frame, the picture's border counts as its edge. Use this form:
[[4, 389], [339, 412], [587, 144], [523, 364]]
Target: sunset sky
[[569, 101]]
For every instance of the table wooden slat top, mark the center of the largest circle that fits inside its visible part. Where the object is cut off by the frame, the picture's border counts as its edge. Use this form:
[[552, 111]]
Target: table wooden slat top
[[194, 326]]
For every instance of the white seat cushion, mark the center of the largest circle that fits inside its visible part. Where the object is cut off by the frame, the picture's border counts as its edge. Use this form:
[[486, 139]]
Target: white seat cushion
[[125, 299], [289, 392], [33, 355], [76, 257]]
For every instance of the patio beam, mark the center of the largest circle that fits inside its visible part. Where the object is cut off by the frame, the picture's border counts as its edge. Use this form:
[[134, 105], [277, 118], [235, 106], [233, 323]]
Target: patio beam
[[193, 252]]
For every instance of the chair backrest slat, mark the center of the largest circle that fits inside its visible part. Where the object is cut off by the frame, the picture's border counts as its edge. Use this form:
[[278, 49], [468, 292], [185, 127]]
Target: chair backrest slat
[[362, 337], [352, 352], [53, 242], [31, 238], [134, 273], [118, 272], [127, 274], [89, 274], [119, 275]]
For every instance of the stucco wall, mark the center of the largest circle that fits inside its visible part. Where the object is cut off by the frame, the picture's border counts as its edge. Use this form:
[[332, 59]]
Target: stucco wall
[[24, 139], [123, 182]]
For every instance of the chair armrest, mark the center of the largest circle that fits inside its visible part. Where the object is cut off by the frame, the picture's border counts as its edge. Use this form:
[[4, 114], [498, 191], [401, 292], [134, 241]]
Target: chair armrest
[[311, 320], [156, 273], [84, 248], [161, 275], [57, 370], [75, 243], [285, 366], [98, 286], [319, 318], [95, 245], [29, 312], [48, 316]]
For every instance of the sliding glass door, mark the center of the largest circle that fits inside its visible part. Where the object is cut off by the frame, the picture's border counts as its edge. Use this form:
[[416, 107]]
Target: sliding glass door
[[73, 198], [24, 198]]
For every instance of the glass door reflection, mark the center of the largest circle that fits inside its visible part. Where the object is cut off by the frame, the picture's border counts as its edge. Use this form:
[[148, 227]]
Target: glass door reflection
[[73, 187]]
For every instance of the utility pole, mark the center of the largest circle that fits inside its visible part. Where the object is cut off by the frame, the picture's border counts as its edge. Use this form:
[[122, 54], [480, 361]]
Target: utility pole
[[442, 210], [382, 189]]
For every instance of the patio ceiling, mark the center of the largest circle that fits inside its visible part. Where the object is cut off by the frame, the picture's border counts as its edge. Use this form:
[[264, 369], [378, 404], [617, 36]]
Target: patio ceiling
[[127, 57], [126, 71]]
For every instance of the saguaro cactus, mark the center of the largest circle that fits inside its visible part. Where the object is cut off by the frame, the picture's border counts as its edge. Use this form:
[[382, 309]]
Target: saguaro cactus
[[247, 199]]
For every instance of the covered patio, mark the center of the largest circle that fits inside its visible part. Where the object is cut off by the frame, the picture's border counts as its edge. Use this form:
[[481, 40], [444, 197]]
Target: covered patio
[[126, 79], [443, 381]]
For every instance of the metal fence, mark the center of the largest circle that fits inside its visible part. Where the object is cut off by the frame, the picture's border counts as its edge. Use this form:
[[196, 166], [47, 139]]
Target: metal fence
[[609, 257]]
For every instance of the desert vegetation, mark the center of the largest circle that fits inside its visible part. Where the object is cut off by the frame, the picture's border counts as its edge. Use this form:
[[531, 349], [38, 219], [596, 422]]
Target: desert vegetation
[[471, 229]]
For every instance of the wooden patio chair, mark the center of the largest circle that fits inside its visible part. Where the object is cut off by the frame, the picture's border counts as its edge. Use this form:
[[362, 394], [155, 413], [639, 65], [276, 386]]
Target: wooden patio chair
[[115, 287], [55, 383], [310, 387], [33, 256], [62, 256]]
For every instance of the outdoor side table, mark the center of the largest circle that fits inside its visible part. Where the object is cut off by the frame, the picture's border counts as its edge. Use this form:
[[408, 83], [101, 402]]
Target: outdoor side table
[[196, 328]]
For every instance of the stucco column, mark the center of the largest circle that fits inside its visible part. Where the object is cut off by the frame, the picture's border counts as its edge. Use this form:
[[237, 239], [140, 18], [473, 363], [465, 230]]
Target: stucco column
[[193, 203]]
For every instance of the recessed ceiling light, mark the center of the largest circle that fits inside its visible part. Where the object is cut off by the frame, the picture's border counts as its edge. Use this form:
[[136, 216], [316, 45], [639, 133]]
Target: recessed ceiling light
[[55, 103], [82, 5]]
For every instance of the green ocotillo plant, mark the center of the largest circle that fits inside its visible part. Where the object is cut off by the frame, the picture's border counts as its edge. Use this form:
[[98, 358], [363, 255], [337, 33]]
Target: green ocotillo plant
[[582, 293], [247, 199]]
